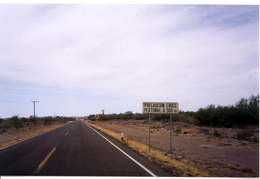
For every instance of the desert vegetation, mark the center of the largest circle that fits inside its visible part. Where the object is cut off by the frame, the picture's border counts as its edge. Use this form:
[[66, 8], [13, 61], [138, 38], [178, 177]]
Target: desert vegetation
[[17, 123]]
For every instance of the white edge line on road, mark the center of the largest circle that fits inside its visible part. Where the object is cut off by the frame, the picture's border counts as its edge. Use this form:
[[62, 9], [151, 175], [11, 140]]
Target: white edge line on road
[[151, 173], [31, 137]]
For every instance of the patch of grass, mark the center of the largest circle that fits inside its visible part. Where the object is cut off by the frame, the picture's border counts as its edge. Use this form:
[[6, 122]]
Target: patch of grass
[[177, 167]]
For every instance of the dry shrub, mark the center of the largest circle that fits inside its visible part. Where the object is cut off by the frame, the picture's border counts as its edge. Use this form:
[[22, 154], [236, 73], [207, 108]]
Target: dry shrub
[[204, 130], [188, 131], [245, 134]]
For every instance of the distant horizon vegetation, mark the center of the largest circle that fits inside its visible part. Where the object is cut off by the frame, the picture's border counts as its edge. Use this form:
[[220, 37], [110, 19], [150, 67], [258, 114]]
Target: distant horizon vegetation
[[244, 112]]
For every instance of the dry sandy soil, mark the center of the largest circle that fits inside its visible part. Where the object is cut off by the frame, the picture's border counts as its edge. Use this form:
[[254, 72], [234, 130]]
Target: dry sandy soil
[[222, 152]]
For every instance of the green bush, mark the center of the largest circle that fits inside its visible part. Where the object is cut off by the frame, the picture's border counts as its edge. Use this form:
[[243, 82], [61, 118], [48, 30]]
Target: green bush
[[1, 120], [16, 122], [63, 119], [244, 112], [47, 120], [138, 116]]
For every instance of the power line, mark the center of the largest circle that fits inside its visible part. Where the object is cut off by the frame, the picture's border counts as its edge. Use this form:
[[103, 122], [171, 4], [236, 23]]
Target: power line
[[2, 99]]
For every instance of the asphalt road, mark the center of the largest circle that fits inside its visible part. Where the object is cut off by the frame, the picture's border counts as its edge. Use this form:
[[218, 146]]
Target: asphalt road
[[74, 149]]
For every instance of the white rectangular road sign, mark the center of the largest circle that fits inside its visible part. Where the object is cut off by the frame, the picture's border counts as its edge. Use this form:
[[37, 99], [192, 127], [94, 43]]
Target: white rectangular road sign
[[160, 107]]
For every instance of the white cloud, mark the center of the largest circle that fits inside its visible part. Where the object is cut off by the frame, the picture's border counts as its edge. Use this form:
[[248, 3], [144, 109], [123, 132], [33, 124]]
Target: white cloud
[[123, 53]]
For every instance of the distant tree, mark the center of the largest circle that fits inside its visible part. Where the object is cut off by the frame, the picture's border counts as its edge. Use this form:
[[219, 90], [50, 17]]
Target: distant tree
[[1, 120], [248, 110], [205, 115], [138, 116], [253, 108], [129, 113], [244, 112]]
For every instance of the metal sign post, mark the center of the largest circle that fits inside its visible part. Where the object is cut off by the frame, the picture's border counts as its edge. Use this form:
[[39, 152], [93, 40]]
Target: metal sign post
[[160, 108]]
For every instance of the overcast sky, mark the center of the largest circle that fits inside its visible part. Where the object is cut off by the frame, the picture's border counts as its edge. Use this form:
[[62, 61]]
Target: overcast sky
[[79, 59]]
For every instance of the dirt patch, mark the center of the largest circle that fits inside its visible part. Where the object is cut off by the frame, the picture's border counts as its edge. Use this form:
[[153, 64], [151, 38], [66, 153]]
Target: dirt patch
[[215, 148]]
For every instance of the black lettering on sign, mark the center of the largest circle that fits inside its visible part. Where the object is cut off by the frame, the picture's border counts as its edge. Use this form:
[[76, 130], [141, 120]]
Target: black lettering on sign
[[146, 104], [169, 110], [156, 107], [172, 105], [156, 110]]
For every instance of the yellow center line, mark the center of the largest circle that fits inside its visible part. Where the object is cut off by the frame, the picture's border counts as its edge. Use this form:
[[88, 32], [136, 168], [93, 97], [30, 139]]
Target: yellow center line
[[44, 161]]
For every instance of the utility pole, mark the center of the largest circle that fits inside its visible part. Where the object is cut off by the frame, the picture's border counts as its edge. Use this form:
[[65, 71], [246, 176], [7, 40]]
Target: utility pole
[[34, 110]]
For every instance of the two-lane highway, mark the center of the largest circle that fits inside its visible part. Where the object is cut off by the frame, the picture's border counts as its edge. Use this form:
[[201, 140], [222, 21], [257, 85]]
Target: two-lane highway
[[74, 149]]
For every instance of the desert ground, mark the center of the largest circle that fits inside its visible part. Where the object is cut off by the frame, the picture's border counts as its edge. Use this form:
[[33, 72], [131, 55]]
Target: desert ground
[[218, 149]]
